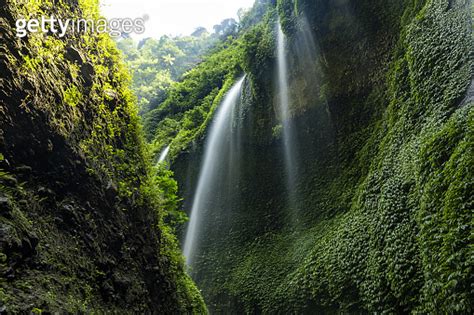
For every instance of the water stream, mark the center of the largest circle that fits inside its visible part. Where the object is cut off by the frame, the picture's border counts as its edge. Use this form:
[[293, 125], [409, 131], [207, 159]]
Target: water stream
[[216, 151], [289, 138]]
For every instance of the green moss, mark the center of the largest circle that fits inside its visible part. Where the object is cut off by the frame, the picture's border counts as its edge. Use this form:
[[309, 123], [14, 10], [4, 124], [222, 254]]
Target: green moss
[[66, 228], [72, 96]]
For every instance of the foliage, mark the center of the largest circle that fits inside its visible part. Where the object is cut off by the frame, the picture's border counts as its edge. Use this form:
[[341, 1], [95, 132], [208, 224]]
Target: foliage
[[156, 64], [385, 186], [183, 116]]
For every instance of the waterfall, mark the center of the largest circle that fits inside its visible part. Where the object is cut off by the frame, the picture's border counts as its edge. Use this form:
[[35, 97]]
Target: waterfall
[[164, 154], [289, 138], [216, 151]]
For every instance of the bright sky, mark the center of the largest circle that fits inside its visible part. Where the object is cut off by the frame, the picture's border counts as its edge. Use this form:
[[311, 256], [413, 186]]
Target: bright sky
[[174, 17]]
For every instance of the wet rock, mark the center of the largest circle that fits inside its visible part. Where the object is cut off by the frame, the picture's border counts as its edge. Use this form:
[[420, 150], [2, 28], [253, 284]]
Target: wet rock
[[89, 238], [50, 146], [3, 202], [88, 72], [73, 55], [469, 98], [10, 274], [107, 289], [111, 191], [28, 246], [68, 213], [4, 68], [58, 220]]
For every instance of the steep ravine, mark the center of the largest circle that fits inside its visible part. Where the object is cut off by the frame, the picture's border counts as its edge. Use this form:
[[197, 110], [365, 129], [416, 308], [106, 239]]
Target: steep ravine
[[372, 215], [81, 215]]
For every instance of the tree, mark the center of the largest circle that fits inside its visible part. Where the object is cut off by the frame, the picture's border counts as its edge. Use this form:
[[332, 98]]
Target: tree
[[199, 31], [227, 27], [156, 64], [169, 59]]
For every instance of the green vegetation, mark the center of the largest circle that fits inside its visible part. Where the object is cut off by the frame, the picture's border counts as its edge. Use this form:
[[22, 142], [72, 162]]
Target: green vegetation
[[189, 102], [156, 64]]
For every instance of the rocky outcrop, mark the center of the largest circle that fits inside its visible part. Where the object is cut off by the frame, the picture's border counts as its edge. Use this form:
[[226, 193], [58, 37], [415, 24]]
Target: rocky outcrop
[[80, 218]]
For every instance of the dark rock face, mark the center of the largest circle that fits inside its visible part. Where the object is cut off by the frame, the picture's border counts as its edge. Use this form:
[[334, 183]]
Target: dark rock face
[[73, 236]]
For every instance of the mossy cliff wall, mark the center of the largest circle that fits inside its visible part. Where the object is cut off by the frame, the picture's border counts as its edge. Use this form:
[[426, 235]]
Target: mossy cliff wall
[[81, 213], [385, 135]]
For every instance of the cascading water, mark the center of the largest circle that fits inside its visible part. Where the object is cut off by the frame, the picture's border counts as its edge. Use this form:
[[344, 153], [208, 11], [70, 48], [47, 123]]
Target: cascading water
[[217, 151], [306, 60], [289, 139], [164, 154]]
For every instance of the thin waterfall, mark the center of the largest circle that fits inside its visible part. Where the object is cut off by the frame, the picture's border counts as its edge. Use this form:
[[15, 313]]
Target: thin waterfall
[[215, 152], [289, 139], [164, 154]]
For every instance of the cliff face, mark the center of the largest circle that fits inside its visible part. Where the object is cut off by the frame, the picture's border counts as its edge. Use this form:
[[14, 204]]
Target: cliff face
[[384, 134], [81, 213], [387, 211]]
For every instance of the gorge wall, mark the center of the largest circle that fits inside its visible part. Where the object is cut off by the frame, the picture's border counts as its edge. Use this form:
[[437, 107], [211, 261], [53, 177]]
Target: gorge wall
[[81, 209]]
